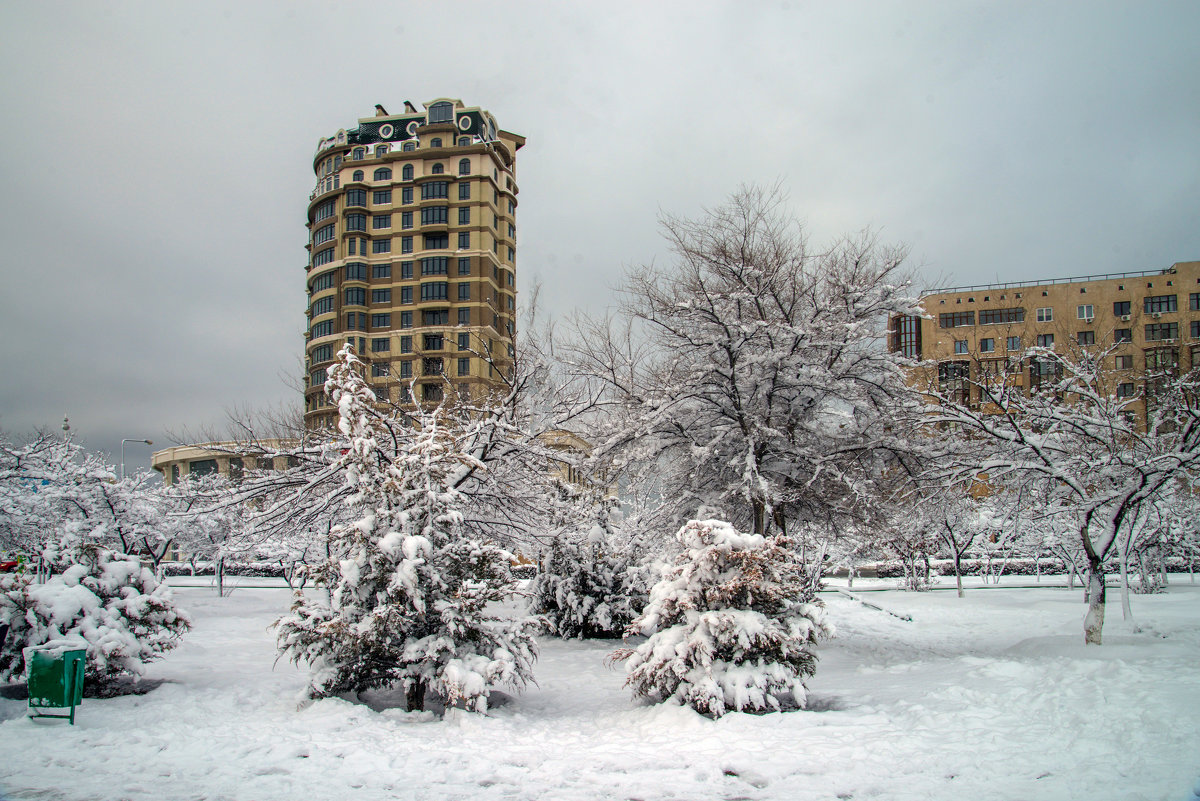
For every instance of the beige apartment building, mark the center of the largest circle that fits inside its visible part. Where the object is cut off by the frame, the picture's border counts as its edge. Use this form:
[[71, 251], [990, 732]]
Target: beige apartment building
[[412, 254], [1141, 322]]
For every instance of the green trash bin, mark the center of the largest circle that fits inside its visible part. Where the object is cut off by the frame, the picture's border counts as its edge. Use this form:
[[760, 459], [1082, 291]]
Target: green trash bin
[[55, 682]]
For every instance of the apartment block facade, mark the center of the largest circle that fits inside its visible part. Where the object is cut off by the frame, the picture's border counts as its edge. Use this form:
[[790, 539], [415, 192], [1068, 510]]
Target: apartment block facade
[[1141, 323], [412, 255]]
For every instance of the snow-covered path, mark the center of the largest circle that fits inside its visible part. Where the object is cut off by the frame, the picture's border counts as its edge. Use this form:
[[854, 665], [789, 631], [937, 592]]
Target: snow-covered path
[[990, 696]]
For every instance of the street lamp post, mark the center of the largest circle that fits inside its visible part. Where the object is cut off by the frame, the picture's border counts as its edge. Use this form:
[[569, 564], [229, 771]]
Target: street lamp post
[[148, 442]]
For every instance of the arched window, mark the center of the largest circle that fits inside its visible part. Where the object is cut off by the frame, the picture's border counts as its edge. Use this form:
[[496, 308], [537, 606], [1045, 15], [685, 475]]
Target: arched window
[[435, 142], [407, 172], [358, 175], [380, 150], [410, 145], [383, 174], [441, 112], [359, 152], [464, 167], [464, 141], [438, 169]]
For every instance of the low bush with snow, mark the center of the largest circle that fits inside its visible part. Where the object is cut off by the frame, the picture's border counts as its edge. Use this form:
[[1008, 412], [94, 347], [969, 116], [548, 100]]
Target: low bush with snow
[[107, 602], [731, 625], [586, 587]]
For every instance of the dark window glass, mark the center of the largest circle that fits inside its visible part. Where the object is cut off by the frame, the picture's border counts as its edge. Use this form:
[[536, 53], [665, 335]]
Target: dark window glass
[[464, 190], [1121, 308], [405, 294], [434, 265], [356, 296], [381, 246], [435, 317], [406, 319], [324, 211], [406, 344], [1000, 316], [381, 221], [406, 369], [434, 290], [431, 365], [406, 174], [464, 291], [322, 257], [406, 269], [356, 271], [1123, 335], [382, 197], [321, 306], [464, 166], [956, 320], [464, 265], [381, 345], [322, 329], [356, 222], [356, 197], [381, 271], [438, 169], [464, 316], [322, 353], [323, 281], [383, 174], [464, 341], [434, 215], [406, 244], [1160, 331], [381, 296], [433, 342], [1086, 337], [381, 321], [464, 240], [435, 189], [441, 112], [1160, 303], [406, 195], [358, 176]]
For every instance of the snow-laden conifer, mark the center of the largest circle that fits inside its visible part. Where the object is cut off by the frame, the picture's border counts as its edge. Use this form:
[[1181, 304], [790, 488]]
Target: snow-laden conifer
[[588, 586], [410, 595], [100, 600], [732, 625]]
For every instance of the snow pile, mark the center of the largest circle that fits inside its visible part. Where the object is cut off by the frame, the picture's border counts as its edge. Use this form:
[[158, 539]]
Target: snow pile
[[731, 625], [107, 602]]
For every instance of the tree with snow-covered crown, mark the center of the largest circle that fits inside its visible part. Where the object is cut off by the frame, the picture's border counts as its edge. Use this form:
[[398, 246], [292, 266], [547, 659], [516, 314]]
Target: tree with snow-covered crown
[[409, 590], [731, 625]]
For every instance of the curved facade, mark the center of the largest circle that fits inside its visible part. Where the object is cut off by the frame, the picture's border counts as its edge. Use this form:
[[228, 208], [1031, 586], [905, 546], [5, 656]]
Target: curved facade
[[412, 255]]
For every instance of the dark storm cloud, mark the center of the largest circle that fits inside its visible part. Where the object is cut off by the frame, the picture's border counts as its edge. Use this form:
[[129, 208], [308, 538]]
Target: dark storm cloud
[[157, 159]]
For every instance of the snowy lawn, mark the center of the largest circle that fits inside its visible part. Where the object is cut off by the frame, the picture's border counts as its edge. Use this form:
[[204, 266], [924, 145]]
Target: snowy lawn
[[992, 696]]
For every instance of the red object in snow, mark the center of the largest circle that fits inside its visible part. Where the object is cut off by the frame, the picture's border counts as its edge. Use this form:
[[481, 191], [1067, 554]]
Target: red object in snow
[[8, 567]]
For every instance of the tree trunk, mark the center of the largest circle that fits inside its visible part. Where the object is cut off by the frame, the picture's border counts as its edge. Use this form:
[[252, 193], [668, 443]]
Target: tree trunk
[[958, 572], [1093, 621], [221, 577], [1126, 610], [414, 695]]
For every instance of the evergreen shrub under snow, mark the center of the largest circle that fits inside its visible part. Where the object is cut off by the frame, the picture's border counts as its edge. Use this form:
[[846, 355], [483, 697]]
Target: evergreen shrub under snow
[[106, 602], [731, 625], [412, 597], [586, 587]]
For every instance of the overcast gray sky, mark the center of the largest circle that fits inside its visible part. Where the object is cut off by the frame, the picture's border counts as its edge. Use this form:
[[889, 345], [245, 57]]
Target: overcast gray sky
[[157, 159]]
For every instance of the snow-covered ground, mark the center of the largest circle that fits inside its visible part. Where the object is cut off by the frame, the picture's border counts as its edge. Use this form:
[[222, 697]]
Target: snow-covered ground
[[992, 696]]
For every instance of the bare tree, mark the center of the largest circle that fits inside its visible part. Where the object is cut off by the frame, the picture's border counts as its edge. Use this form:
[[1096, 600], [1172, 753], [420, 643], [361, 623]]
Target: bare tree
[[749, 375], [1079, 447]]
